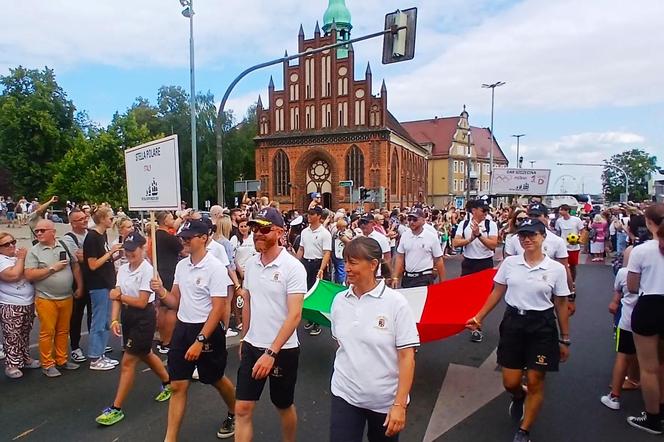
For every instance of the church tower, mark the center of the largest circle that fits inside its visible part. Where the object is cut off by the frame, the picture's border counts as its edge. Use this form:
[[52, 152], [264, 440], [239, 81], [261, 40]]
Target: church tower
[[337, 18]]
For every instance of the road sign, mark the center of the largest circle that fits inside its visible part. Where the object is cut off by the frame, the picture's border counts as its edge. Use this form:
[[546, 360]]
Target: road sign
[[400, 45], [153, 175], [207, 204], [348, 183], [506, 181], [247, 186]]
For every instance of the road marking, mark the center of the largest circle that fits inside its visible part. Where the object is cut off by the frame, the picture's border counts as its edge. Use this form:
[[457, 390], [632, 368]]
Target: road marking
[[26, 432], [465, 390]]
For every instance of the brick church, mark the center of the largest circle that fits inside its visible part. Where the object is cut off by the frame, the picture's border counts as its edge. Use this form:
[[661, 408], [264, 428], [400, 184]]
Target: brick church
[[324, 126]]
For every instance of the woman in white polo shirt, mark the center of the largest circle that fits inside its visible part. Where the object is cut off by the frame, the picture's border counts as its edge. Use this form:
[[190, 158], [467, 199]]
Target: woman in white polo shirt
[[374, 327], [645, 270], [133, 310], [528, 333]]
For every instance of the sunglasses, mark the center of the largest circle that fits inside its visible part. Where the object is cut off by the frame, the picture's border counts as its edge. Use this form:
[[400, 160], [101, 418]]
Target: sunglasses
[[529, 235], [8, 244], [264, 230], [521, 218], [38, 231], [185, 240]]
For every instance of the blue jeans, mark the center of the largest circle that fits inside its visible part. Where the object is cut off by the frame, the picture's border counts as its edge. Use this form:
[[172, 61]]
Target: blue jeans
[[101, 311], [621, 242], [339, 270]]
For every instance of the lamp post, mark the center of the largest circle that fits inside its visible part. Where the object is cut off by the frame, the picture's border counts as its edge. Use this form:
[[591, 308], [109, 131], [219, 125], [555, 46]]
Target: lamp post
[[518, 137], [493, 90], [532, 163], [188, 12], [604, 165]]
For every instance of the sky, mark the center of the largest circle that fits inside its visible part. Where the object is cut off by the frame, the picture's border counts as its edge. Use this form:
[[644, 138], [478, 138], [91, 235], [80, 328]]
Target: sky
[[583, 78]]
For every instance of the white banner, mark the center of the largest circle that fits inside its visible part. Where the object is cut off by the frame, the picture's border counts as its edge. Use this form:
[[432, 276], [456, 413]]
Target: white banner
[[520, 181], [153, 175]]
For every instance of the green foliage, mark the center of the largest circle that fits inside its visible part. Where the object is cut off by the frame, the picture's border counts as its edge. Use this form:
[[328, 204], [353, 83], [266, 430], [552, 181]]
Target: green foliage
[[638, 165]]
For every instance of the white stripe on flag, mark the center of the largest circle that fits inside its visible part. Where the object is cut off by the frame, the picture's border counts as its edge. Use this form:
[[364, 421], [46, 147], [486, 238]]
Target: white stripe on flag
[[417, 298]]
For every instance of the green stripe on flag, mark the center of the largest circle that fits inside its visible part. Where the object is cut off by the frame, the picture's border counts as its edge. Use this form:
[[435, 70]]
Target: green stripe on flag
[[318, 301]]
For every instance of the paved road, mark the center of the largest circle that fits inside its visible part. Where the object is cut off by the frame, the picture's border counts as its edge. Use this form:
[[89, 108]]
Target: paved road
[[40, 409]]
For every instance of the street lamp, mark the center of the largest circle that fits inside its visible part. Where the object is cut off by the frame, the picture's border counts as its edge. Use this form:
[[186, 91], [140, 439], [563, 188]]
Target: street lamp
[[493, 90], [188, 12], [604, 165], [532, 164], [517, 149]]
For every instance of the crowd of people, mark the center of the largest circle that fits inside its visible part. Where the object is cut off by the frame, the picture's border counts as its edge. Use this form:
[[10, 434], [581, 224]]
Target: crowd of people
[[245, 271]]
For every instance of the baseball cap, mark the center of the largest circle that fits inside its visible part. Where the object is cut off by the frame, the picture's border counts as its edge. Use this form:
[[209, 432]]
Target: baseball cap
[[315, 195], [537, 209], [318, 210], [193, 228], [133, 241], [531, 225], [368, 218], [478, 204], [416, 212], [267, 217]]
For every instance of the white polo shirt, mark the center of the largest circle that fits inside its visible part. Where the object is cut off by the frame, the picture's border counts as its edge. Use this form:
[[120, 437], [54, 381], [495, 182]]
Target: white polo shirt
[[132, 282], [370, 331], [219, 252], [553, 246], [628, 299], [198, 285], [269, 288], [647, 261], [382, 240], [567, 226], [315, 242], [531, 288], [419, 250], [475, 249]]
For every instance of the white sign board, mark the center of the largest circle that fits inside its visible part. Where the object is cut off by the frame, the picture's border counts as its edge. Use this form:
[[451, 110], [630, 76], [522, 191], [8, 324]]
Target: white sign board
[[520, 181], [153, 175]]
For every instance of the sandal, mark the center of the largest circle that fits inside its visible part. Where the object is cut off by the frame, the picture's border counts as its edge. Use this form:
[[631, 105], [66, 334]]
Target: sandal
[[13, 373]]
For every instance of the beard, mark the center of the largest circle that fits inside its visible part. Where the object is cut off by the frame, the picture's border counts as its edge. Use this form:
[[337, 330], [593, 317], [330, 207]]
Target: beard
[[265, 243]]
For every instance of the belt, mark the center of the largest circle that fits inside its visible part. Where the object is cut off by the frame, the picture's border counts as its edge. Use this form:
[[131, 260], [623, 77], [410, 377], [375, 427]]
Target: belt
[[416, 274], [312, 260], [522, 312]]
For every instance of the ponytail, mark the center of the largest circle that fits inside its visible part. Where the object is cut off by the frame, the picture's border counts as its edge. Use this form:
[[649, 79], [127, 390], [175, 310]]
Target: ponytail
[[660, 236], [655, 213]]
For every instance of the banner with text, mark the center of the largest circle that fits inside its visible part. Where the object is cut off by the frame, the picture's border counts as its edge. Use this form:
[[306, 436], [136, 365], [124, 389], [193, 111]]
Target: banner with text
[[153, 175], [520, 181]]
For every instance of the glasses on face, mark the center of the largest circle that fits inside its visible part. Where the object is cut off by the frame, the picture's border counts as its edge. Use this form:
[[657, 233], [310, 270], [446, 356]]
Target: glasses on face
[[412, 219], [186, 240], [264, 230], [9, 244], [521, 218], [527, 235], [40, 231]]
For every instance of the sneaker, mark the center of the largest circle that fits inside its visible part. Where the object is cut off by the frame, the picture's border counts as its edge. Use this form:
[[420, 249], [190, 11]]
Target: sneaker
[[108, 349], [194, 375], [110, 416], [315, 331], [227, 428], [641, 422], [309, 325], [517, 407], [69, 366], [611, 401], [113, 362], [32, 363], [13, 373], [521, 436], [101, 365], [476, 336], [163, 349], [230, 333], [51, 372], [78, 356], [164, 394]]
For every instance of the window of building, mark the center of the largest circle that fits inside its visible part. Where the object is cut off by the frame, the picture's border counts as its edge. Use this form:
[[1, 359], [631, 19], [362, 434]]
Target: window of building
[[355, 166], [343, 114], [360, 113], [281, 167], [456, 185], [461, 166], [394, 173], [456, 166], [309, 73]]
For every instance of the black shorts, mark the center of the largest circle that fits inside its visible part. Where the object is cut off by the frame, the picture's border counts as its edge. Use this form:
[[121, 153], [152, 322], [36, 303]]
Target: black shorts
[[529, 341], [282, 378], [625, 342], [417, 281], [212, 361], [470, 266], [138, 326], [648, 316]]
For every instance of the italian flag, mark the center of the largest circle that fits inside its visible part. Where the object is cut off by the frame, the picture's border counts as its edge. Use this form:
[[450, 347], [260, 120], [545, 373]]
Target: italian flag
[[441, 310]]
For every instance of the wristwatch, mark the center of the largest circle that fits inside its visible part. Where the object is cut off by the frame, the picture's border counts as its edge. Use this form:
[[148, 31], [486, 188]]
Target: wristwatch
[[270, 353], [201, 338], [565, 342]]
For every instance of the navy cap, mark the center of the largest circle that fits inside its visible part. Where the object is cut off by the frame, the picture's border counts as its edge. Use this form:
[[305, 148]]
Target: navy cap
[[133, 241], [267, 217], [531, 225], [416, 212], [537, 209], [317, 210], [195, 227], [368, 218], [315, 195], [478, 204]]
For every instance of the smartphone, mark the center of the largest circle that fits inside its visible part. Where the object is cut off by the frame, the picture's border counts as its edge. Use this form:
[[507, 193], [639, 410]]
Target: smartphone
[[63, 256]]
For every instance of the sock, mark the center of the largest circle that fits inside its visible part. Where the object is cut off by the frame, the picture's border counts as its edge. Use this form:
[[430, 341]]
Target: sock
[[168, 382], [231, 415], [524, 431], [116, 408], [617, 396]]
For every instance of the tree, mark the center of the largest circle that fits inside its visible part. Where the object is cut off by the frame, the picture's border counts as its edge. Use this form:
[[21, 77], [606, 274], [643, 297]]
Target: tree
[[238, 153], [638, 165]]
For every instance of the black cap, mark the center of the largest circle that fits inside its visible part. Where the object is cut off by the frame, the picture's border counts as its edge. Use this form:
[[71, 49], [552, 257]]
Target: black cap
[[193, 228], [478, 204], [367, 218], [417, 213], [133, 241], [268, 217], [316, 210], [531, 225], [537, 209]]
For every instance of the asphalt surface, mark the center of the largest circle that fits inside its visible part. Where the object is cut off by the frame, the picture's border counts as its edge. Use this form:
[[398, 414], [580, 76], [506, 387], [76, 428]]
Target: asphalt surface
[[63, 409]]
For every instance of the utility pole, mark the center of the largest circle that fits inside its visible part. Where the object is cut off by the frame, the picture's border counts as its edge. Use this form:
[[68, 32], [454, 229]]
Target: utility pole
[[493, 90], [518, 163]]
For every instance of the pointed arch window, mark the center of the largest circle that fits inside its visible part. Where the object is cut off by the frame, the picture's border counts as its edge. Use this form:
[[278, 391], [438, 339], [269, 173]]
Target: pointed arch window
[[394, 173], [355, 166], [281, 167]]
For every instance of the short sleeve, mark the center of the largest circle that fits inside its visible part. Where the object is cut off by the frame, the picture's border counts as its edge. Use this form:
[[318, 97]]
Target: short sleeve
[[579, 224], [617, 282], [327, 241], [406, 334], [459, 231], [146, 277], [176, 276], [493, 229], [561, 288], [510, 248], [31, 260], [635, 264], [5, 264], [219, 281], [561, 253], [384, 243], [436, 250], [501, 274], [401, 248], [297, 279]]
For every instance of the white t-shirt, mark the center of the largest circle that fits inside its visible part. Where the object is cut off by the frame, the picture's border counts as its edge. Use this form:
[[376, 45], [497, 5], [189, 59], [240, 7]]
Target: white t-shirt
[[198, 284], [567, 226], [21, 292], [628, 299], [339, 245], [219, 252], [382, 240], [647, 261], [370, 331], [243, 251], [476, 249], [531, 288], [419, 250], [269, 288], [315, 242], [553, 246], [132, 282]]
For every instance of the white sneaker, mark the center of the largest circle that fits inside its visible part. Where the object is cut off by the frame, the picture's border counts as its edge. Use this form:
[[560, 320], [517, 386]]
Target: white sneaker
[[78, 356], [230, 333], [610, 401], [194, 375], [113, 362], [101, 365]]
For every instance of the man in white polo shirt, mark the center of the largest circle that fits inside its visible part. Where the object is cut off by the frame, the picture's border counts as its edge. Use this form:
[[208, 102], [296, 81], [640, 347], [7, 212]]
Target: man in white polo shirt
[[274, 287], [314, 253], [367, 225], [420, 251], [199, 341], [565, 225]]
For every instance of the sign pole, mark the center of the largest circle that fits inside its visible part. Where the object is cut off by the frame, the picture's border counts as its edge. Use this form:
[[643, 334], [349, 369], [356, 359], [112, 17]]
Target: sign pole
[[153, 245]]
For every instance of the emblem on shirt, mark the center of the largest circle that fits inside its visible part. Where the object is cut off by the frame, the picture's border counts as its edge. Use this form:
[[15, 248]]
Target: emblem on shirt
[[129, 343], [198, 281], [541, 360], [381, 322], [277, 372], [207, 348], [275, 276]]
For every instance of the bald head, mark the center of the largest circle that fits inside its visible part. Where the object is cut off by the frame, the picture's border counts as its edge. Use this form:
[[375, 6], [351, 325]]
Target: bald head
[[45, 232], [45, 224]]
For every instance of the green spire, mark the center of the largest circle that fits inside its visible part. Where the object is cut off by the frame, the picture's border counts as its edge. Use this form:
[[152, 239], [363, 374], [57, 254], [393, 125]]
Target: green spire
[[339, 13]]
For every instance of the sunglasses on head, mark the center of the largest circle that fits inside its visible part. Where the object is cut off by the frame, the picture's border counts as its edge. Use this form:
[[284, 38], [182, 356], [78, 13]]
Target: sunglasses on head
[[10, 243], [264, 230]]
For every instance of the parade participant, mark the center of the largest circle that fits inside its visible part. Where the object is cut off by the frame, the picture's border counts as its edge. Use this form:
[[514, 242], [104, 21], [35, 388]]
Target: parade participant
[[528, 334], [342, 236], [222, 234], [367, 226], [274, 287], [17, 308], [645, 270], [53, 272], [384, 339], [133, 318], [478, 236], [199, 294], [567, 224], [314, 253], [73, 241], [420, 250], [169, 248], [99, 279]]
